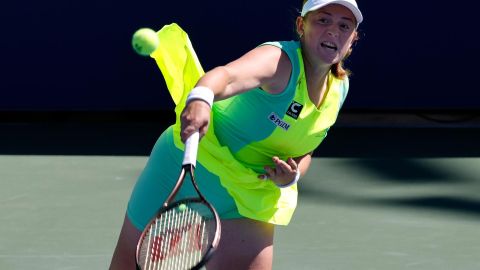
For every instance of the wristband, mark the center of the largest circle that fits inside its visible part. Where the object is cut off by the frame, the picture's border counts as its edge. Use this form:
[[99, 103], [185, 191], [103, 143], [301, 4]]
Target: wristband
[[201, 93], [291, 183]]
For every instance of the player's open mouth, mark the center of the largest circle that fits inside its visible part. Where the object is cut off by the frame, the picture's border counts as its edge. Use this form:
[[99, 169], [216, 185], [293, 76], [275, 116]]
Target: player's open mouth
[[329, 45]]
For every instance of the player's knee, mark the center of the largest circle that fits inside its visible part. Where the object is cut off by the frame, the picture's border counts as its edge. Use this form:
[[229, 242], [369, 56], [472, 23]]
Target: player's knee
[[124, 254]]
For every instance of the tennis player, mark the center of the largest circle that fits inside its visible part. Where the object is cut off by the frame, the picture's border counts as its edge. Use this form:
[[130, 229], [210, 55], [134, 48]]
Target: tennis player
[[260, 118]]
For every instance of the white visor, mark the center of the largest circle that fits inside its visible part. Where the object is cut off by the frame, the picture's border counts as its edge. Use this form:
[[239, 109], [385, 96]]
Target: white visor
[[311, 5]]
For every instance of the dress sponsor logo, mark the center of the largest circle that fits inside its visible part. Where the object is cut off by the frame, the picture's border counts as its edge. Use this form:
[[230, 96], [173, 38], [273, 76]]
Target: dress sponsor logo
[[294, 109], [278, 121]]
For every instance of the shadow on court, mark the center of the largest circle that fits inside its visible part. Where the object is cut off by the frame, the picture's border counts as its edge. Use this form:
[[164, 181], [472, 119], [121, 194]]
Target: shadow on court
[[442, 184]]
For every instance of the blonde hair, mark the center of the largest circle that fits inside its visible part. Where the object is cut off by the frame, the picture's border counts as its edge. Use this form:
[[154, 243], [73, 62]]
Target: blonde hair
[[338, 69]]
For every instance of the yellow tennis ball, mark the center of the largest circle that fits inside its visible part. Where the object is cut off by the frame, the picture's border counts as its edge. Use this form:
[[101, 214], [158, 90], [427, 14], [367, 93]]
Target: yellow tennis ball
[[182, 207], [145, 41]]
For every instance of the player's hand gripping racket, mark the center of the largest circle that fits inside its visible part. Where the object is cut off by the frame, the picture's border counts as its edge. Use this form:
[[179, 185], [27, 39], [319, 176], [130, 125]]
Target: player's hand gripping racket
[[184, 233]]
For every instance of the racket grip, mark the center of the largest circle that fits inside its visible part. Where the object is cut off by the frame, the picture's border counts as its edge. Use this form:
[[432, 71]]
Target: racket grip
[[191, 148]]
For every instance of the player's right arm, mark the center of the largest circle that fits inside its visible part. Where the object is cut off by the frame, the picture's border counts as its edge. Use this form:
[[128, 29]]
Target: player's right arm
[[266, 66]]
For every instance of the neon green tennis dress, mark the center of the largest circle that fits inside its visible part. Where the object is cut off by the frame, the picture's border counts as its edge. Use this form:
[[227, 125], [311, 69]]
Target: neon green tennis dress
[[247, 130]]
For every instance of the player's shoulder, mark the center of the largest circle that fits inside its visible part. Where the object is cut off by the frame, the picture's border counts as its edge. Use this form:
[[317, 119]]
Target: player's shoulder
[[289, 49], [286, 45]]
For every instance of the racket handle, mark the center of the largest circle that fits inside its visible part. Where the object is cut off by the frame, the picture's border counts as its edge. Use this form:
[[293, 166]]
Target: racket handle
[[191, 148]]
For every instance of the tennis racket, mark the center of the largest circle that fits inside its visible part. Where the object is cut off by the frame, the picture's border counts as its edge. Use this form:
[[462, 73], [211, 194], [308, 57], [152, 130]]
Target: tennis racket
[[184, 233]]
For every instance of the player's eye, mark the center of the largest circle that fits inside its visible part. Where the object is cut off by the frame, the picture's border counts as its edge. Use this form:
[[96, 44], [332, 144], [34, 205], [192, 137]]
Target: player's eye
[[323, 21], [345, 27]]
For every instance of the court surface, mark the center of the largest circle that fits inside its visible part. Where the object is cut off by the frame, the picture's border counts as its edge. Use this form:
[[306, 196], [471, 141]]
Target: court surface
[[363, 213]]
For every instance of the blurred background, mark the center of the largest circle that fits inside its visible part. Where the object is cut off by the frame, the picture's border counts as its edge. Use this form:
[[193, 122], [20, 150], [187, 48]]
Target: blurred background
[[76, 56]]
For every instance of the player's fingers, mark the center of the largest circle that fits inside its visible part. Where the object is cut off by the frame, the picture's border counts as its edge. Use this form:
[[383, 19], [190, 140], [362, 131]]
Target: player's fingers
[[269, 172], [263, 176], [281, 165], [293, 164], [203, 130], [278, 176], [195, 116], [187, 131]]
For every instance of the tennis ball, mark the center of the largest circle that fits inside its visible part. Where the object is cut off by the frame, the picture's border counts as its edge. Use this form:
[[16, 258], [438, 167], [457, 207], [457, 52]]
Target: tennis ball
[[182, 207], [145, 41]]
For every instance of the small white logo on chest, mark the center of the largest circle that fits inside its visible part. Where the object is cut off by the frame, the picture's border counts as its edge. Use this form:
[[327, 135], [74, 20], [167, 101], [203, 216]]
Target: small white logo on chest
[[294, 109], [278, 121]]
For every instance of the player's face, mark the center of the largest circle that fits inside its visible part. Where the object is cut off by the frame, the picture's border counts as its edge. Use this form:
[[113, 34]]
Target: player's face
[[328, 33]]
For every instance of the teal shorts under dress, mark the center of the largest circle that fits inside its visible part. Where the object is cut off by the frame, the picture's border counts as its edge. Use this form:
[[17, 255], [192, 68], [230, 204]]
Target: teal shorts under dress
[[159, 177]]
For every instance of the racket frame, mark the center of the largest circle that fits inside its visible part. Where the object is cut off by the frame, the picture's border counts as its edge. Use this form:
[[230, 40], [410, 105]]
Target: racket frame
[[188, 169]]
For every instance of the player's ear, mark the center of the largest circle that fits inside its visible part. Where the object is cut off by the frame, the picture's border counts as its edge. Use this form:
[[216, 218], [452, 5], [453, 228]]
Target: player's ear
[[299, 26], [354, 39]]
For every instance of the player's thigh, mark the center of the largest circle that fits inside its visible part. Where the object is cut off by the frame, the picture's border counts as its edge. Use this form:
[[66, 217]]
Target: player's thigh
[[245, 244]]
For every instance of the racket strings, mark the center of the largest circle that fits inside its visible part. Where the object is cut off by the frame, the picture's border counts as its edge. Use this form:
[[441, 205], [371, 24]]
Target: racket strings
[[178, 239]]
